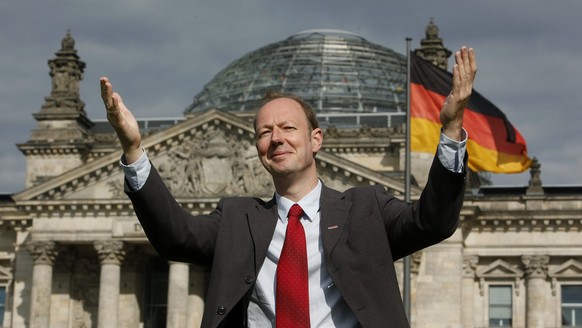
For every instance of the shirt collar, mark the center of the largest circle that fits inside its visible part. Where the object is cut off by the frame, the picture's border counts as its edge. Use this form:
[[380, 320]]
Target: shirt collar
[[309, 203]]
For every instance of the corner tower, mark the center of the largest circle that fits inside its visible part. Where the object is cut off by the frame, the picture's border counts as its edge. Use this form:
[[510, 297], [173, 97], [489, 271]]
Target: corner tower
[[432, 48], [62, 136]]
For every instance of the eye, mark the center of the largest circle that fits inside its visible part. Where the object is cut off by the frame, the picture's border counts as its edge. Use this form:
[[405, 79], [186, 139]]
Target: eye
[[263, 133]]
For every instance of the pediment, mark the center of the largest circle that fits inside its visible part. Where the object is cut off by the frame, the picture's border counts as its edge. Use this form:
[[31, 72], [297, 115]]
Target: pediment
[[206, 156], [569, 269], [499, 269]]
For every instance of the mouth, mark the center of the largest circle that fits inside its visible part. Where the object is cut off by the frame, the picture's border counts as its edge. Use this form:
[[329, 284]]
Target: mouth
[[278, 154]]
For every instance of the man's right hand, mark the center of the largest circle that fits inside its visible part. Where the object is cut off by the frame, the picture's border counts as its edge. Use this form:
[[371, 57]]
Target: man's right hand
[[122, 121]]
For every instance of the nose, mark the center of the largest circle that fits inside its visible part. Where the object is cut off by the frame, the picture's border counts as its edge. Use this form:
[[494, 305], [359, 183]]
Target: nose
[[276, 136]]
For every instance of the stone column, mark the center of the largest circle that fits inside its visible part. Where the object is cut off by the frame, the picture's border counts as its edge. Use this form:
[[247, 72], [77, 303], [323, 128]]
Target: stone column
[[468, 314], [536, 268], [43, 254], [198, 276], [110, 253], [178, 295]]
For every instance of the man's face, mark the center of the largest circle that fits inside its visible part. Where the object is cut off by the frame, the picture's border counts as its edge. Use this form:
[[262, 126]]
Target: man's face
[[285, 143]]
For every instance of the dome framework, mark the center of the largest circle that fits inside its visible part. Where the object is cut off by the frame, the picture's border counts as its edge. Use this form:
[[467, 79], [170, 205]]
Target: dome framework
[[345, 78]]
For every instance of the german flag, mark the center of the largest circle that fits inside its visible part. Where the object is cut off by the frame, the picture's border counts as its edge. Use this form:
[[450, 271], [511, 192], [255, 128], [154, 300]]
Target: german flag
[[494, 145]]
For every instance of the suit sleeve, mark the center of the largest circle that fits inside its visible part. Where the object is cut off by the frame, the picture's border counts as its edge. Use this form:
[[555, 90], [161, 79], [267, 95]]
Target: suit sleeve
[[432, 219], [176, 234]]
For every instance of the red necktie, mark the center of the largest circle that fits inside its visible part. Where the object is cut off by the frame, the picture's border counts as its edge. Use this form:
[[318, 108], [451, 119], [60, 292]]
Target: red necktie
[[292, 296]]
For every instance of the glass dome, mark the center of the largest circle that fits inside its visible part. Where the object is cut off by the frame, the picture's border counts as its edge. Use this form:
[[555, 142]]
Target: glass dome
[[338, 73]]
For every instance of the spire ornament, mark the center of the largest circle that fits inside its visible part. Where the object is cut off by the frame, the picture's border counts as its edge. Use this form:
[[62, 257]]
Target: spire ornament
[[432, 48]]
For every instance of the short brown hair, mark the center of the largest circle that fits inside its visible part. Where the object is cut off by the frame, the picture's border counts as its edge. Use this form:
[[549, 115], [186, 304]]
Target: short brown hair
[[307, 110]]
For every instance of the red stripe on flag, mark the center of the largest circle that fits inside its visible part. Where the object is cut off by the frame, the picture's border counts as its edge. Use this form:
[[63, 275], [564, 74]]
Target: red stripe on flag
[[487, 131], [488, 145], [490, 132], [425, 104]]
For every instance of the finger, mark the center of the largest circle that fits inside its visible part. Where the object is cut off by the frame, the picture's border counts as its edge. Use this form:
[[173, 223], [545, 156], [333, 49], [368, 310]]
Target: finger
[[456, 70], [456, 75], [467, 64], [472, 61], [114, 110], [117, 101], [106, 92], [463, 63]]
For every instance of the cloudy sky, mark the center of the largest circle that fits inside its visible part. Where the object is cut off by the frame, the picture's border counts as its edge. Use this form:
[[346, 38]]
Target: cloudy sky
[[159, 54]]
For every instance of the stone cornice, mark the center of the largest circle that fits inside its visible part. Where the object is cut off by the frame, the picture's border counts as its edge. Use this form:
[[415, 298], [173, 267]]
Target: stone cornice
[[48, 148], [357, 149], [363, 133], [524, 221], [99, 208], [11, 217], [496, 213]]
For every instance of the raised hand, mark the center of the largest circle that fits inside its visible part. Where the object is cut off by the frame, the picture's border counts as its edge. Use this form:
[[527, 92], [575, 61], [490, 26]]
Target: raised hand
[[122, 121], [464, 72]]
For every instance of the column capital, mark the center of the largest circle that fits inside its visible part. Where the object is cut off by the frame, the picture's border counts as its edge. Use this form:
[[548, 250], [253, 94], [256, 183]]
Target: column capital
[[110, 251], [536, 266], [43, 252]]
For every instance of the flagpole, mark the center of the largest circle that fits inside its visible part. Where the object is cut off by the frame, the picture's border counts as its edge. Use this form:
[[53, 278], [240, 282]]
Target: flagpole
[[406, 269]]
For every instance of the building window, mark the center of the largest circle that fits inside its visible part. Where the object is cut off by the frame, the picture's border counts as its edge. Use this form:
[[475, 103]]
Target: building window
[[2, 303], [156, 293], [500, 306], [572, 306]]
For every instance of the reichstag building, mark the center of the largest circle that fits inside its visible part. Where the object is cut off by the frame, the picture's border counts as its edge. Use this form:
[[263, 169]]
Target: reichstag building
[[72, 253]]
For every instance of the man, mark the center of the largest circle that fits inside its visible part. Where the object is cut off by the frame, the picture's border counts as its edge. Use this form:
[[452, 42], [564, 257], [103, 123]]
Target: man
[[347, 241]]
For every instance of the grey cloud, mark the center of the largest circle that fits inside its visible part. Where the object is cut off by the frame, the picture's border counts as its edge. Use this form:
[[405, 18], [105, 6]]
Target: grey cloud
[[160, 54]]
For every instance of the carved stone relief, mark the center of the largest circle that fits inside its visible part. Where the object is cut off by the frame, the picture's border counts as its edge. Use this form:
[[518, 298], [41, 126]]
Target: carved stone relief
[[214, 163]]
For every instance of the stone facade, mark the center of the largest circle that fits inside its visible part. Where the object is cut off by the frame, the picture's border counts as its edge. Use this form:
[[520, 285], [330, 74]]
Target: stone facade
[[72, 253]]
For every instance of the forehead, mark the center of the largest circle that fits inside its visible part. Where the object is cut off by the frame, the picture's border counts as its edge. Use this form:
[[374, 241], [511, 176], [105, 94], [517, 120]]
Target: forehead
[[279, 110]]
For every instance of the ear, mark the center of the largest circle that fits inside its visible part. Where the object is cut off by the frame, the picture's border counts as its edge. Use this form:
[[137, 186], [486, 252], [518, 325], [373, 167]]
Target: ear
[[316, 139]]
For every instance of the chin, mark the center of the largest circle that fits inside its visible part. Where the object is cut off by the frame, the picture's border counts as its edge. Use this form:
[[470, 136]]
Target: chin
[[280, 171]]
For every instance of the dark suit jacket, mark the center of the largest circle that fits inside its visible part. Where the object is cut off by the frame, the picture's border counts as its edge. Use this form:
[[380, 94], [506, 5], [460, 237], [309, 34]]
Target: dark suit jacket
[[374, 230]]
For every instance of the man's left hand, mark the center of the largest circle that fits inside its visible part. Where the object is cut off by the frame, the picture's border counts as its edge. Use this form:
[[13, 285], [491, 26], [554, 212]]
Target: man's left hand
[[464, 72]]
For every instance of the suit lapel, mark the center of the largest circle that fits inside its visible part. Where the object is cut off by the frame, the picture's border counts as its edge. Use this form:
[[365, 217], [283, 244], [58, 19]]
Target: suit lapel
[[262, 221], [334, 214]]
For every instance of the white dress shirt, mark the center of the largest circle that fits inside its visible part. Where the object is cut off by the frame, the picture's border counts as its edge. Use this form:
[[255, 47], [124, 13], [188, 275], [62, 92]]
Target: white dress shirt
[[326, 305]]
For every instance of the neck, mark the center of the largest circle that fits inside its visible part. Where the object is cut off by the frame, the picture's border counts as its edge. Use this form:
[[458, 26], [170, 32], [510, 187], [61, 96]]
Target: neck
[[295, 188]]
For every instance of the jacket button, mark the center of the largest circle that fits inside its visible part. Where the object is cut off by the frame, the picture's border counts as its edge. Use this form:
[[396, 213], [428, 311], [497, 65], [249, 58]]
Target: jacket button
[[249, 280], [221, 310]]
